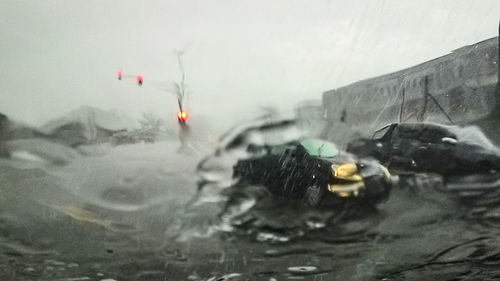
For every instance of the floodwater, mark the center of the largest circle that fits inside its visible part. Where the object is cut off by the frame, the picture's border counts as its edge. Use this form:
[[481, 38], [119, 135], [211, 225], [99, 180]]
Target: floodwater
[[137, 212]]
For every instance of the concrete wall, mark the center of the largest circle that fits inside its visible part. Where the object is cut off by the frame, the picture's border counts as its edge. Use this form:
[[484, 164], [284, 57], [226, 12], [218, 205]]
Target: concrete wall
[[458, 88]]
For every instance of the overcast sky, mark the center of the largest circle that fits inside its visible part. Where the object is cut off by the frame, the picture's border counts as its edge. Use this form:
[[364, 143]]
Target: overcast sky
[[239, 55]]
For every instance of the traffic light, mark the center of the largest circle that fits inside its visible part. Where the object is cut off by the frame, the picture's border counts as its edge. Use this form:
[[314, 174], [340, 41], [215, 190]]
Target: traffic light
[[119, 75], [139, 80], [182, 116]]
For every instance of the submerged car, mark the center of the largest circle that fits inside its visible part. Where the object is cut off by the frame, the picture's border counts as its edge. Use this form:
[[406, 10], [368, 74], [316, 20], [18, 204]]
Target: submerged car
[[462, 156], [314, 172]]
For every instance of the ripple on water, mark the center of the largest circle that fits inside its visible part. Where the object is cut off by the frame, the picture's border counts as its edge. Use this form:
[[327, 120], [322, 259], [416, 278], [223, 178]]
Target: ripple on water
[[302, 269], [272, 237], [129, 179], [227, 277], [172, 255], [123, 228], [126, 199]]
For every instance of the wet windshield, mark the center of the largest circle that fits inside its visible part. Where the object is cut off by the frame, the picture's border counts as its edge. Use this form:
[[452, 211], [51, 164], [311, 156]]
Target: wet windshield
[[165, 140]]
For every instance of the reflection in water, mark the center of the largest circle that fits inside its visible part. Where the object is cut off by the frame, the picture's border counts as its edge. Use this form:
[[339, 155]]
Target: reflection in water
[[135, 213]]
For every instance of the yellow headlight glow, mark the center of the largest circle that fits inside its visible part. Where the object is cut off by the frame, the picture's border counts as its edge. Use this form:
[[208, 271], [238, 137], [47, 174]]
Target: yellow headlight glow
[[346, 171], [346, 190]]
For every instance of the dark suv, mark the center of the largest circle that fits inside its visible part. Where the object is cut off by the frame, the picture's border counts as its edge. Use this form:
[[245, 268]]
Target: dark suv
[[432, 148]]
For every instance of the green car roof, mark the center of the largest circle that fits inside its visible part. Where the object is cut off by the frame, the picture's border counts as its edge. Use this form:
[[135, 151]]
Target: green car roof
[[320, 148]]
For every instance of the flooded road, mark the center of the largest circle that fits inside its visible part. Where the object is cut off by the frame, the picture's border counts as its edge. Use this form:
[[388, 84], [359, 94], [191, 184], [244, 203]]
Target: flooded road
[[126, 213], [92, 210]]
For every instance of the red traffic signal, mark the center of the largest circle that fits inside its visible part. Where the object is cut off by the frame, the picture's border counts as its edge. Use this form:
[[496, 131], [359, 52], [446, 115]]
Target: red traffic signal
[[138, 78], [182, 116]]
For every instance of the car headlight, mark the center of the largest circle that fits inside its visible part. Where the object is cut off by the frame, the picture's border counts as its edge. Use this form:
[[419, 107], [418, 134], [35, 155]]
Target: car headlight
[[346, 190], [346, 180], [347, 172]]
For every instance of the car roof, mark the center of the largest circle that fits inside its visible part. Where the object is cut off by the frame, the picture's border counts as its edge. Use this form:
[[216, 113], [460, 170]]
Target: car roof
[[424, 131], [320, 148]]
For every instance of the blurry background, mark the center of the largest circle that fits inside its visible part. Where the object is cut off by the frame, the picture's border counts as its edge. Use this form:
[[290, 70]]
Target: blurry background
[[239, 56]]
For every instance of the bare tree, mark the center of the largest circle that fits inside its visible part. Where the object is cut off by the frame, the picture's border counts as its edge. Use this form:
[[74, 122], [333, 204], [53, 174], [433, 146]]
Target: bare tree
[[150, 121]]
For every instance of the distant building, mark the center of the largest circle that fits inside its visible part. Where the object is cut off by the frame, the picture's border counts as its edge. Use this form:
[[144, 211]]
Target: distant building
[[88, 125], [458, 88]]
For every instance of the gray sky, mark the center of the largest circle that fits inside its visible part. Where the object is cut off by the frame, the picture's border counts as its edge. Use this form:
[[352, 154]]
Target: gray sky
[[58, 54]]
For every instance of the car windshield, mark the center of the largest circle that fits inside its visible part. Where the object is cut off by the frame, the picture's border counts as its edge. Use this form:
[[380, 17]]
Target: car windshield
[[320, 148], [381, 132]]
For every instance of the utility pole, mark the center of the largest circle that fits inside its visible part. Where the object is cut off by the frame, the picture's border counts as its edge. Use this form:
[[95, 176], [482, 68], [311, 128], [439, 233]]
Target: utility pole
[[180, 90]]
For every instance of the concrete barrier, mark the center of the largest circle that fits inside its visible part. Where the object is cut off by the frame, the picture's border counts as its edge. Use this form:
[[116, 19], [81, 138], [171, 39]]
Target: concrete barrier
[[459, 88]]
